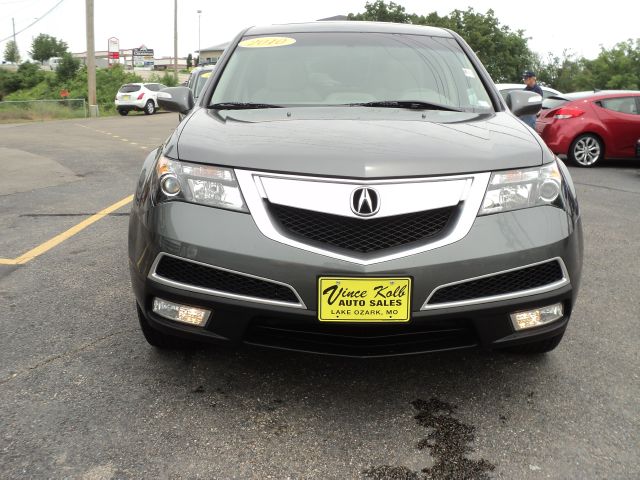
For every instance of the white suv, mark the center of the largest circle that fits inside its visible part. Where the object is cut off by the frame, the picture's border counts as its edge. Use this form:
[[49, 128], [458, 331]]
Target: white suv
[[506, 88], [139, 97]]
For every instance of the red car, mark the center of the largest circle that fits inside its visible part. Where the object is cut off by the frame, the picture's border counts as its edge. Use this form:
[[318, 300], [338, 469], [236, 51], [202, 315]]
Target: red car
[[587, 126]]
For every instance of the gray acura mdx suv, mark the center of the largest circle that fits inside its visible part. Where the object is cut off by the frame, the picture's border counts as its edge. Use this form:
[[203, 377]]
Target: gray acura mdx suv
[[356, 189]]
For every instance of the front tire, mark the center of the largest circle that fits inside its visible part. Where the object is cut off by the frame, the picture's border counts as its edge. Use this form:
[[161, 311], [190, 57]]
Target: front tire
[[150, 108], [586, 151], [541, 346], [156, 338]]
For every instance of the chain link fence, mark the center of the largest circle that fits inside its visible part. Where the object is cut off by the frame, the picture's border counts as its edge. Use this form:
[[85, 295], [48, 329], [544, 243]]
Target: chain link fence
[[21, 110]]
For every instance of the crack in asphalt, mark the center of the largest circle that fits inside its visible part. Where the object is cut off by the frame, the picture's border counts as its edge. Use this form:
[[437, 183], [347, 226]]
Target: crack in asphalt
[[449, 442], [66, 354]]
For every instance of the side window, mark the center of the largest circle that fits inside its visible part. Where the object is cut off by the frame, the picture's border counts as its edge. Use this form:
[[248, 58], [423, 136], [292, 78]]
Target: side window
[[547, 93], [152, 86], [622, 104]]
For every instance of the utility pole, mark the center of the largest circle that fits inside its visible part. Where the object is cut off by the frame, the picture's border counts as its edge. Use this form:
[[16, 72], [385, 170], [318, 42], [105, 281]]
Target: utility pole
[[14, 30], [91, 61], [175, 38], [199, 13]]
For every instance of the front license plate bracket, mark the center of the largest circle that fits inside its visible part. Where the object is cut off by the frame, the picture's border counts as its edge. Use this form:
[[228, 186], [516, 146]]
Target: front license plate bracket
[[361, 300]]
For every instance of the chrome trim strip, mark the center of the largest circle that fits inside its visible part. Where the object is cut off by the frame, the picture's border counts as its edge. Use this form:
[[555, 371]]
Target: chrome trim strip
[[506, 296], [470, 198], [185, 286], [335, 197]]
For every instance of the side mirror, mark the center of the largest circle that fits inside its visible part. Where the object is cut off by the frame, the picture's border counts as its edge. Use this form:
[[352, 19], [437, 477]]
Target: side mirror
[[176, 99], [522, 102]]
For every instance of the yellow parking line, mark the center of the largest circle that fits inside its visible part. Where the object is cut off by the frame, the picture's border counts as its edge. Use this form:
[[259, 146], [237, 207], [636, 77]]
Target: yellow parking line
[[58, 239]]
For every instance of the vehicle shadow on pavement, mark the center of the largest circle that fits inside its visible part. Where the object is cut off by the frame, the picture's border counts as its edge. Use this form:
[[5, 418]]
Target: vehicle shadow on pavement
[[628, 163]]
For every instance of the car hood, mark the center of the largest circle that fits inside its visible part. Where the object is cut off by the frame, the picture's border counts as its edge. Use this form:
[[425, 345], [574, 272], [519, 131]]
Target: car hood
[[357, 142]]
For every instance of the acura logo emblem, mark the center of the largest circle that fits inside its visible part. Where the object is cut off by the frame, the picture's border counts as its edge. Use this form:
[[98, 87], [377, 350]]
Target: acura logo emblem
[[365, 201]]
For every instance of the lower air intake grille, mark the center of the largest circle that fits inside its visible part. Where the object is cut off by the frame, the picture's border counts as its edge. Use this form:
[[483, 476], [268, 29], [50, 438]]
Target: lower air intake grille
[[197, 275], [361, 340], [359, 235], [500, 284]]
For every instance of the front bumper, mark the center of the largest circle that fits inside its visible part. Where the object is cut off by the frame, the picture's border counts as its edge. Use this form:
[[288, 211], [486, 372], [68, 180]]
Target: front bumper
[[495, 243]]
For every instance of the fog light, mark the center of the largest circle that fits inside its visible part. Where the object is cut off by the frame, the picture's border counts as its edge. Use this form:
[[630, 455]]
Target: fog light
[[536, 317], [180, 313]]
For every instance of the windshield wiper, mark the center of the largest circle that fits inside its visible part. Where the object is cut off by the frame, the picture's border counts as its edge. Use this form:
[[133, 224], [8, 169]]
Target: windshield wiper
[[241, 106], [410, 104]]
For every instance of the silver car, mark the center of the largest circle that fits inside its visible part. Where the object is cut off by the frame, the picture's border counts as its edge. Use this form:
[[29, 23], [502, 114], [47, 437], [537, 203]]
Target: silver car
[[355, 189]]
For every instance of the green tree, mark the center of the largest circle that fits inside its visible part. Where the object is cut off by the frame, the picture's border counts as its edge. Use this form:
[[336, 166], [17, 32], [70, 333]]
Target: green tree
[[504, 52], [189, 61], [67, 68], [617, 68], [45, 46], [197, 62], [11, 52], [379, 11], [30, 75], [562, 73]]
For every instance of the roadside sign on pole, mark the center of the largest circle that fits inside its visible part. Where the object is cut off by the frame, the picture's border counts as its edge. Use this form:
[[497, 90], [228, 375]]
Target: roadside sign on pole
[[114, 50]]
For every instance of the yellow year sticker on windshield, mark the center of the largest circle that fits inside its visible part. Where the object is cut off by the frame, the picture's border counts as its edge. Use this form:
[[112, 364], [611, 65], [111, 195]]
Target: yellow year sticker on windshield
[[265, 42]]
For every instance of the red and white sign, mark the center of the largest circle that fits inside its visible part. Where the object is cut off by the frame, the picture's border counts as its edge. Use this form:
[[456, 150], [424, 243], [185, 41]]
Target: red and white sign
[[114, 50]]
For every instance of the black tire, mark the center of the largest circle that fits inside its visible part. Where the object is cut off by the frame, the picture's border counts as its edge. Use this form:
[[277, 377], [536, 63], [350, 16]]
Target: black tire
[[586, 151], [541, 346], [158, 339], [123, 112], [150, 108]]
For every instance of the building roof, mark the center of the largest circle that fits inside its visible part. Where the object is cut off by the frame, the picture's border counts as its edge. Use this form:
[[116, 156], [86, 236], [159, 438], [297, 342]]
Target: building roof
[[221, 46], [334, 18]]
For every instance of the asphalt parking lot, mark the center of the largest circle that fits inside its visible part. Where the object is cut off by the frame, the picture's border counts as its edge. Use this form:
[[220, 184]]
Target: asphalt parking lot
[[82, 395]]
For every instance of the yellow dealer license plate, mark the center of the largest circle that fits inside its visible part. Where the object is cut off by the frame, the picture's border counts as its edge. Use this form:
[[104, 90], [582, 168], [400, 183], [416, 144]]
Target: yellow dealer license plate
[[364, 299]]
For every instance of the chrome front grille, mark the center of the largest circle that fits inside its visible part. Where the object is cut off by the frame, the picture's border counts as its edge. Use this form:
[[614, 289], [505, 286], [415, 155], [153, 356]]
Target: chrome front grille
[[315, 214]]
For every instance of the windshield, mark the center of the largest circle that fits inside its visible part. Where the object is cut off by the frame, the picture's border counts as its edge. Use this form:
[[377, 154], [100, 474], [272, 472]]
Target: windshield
[[347, 68]]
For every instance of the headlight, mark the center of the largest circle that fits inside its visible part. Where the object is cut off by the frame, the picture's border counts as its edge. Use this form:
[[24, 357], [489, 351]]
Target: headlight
[[201, 184], [516, 189]]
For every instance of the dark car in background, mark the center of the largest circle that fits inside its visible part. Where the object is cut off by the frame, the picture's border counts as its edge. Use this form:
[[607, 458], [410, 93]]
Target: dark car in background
[[198, 78], [196, 82], [358, 189], [587, 127]]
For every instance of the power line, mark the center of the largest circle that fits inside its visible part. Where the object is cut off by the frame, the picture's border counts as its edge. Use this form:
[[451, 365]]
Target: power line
[[10, 2], [34, 22]]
